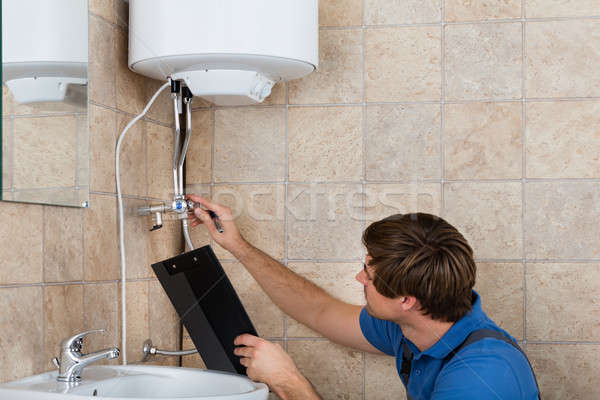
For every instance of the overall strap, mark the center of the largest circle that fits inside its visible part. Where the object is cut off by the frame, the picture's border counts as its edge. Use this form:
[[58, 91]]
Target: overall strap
[[407, 357], [480, 334]]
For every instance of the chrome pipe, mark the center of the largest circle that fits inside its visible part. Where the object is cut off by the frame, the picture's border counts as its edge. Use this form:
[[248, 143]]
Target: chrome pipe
[[177, 133], [149, 350], [186, 142]]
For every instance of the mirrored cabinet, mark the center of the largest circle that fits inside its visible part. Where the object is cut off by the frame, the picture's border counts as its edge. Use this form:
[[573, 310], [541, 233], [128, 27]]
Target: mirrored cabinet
[[45, 134]]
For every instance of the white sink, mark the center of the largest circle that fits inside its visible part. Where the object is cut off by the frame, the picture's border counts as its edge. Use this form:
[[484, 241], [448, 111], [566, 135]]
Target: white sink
[[137, 382]]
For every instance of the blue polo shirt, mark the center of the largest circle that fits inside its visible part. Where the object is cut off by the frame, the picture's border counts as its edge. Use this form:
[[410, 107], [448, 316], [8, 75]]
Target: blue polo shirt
[[487, 369]]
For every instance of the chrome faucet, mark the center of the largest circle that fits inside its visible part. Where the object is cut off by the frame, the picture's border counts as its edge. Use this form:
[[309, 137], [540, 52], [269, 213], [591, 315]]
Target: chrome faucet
[[72, 361]]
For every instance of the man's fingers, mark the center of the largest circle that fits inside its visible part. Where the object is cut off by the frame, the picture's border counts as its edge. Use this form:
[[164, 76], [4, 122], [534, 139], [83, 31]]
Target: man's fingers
[[247, 352], [204, 218], [245, 362], [247, 340], [206, 203]]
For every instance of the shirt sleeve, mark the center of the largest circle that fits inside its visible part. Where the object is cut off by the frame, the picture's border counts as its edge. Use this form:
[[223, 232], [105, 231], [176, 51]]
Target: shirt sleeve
[[376, 331], [477, 376]]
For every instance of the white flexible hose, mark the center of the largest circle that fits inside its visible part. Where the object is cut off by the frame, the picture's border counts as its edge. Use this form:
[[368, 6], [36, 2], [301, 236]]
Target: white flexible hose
[[186, 234], [121, 230]]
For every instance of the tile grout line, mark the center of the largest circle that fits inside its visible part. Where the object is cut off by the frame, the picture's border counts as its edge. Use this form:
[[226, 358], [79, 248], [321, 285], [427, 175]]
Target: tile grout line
[[285, 211], [364, 160], [369, 182], [523, 170], [42, 300], [497, 21], [401, 102], [443, 108]]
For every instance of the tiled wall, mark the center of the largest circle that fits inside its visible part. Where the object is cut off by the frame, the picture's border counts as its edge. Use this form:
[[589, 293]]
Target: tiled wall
[[485, 112], [60, 268]]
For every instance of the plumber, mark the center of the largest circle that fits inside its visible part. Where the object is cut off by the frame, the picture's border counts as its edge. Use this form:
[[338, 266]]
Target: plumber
[[418, 278]]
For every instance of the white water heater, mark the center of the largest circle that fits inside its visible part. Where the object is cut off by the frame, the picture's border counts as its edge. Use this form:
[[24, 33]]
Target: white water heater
[[44, 48], [230, 52]]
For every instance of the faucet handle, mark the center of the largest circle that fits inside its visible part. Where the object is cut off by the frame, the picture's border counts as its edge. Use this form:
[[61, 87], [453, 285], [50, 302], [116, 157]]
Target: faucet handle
[[74, 342]]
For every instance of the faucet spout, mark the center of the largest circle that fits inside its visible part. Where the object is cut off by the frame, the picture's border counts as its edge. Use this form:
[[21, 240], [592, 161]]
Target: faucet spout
[[109, 354]]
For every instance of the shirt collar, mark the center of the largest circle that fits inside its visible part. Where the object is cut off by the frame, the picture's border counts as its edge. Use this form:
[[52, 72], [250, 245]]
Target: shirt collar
[[457, 333]]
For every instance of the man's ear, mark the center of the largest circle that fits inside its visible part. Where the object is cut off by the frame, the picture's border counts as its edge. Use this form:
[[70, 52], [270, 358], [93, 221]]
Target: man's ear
[[408, 302]]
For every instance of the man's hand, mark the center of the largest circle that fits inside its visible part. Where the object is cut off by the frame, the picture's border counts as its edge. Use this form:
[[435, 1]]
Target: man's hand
[[230, 239], [267, 362]]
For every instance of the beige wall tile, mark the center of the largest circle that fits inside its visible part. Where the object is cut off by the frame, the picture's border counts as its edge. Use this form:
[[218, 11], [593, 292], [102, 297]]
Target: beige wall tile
[[130, 92], [249, 144], [101, 305], [560, 302], [325, 152], [339, 78], [164, 323], [340, 12], [562, 220], [198, 159], [325, 221], [103, 8], [6, 153], [166, 242], [137, 240], [334, 371], [132, 157], [566, 371], [386, 12], [403, 64], [103, 139], [258, 211], [63, 244], [82, 140], [277, 96], [383, 200], [500, 286], [266, 316], [403, 142], [22, 332], [561, 8], [63, 317], [7, 100], [100, 240], [35, 165], [138, 322], [460, 10], [483, 141], [102, 62], [162, 108], [22, 259], [561, 58], [483, 61], [382, 381], [488, 215], [159, 160], [563, 139], [337, 279]]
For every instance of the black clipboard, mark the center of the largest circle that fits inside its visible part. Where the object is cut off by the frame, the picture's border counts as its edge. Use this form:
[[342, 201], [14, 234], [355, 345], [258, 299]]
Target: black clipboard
[[207, 304]]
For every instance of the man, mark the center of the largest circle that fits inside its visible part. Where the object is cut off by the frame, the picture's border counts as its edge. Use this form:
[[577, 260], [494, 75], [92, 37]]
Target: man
[[418, 278]]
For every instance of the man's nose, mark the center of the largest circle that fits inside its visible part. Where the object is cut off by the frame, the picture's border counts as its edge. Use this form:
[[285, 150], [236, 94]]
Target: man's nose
[[361, 278]]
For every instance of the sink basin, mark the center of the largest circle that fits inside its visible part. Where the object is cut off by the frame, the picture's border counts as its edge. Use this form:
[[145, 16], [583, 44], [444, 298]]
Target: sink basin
[[137, 382]]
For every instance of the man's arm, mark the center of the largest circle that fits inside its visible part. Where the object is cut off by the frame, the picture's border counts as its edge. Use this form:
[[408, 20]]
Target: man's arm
[[267, 362], [294, 295]]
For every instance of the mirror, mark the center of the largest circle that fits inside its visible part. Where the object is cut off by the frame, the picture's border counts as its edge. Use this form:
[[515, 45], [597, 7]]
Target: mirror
[[45, 138]]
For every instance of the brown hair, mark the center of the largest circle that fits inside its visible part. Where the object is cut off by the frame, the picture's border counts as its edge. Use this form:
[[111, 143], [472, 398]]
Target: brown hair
[[422, 255]]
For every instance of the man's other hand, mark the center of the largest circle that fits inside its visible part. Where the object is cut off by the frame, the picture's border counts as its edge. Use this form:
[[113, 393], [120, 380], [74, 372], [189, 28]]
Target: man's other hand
[[268, 363]]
